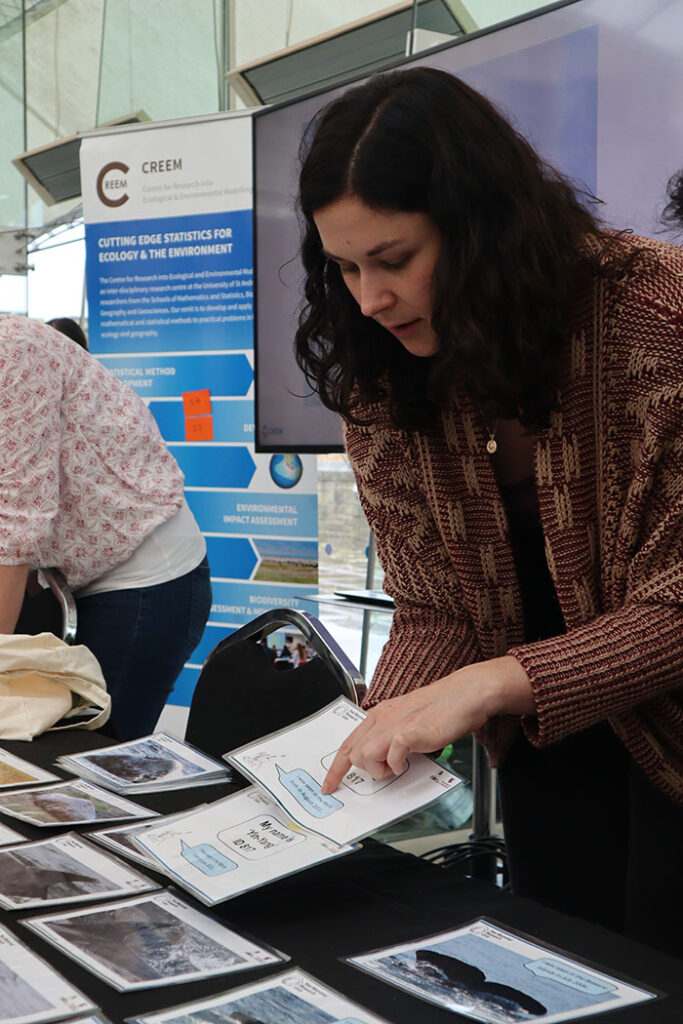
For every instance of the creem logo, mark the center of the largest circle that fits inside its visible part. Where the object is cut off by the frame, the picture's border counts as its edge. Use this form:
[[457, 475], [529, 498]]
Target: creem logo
[[111, 184]]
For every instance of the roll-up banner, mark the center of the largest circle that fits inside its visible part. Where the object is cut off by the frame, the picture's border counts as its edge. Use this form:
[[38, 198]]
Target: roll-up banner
[[169, 265]]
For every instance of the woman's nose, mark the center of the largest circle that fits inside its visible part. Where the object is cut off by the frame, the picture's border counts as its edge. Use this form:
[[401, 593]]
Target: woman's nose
[[374, 297]]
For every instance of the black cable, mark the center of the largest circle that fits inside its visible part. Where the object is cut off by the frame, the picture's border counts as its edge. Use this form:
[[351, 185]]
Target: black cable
[[460, 856]]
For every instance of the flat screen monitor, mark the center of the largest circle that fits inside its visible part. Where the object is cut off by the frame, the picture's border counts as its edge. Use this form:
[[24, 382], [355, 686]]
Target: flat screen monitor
[[595, 85]]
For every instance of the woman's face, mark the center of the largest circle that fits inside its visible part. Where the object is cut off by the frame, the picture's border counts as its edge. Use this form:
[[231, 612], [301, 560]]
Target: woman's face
[[387, 260]]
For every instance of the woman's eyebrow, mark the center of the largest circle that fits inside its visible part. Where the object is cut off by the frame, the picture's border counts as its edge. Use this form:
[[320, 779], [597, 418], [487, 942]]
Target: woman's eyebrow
[[375, 251]]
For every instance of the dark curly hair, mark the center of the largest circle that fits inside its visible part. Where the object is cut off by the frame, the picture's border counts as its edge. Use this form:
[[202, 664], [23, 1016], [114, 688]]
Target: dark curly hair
[[673, 211], [513, 235]]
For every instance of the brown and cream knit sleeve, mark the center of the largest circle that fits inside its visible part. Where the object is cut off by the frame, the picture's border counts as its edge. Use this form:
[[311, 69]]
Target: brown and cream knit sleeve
[[431, 632], [626, 664]]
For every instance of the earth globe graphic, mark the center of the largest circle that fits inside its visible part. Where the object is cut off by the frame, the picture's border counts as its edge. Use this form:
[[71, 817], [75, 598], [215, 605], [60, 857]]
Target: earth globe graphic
[[286, 470]]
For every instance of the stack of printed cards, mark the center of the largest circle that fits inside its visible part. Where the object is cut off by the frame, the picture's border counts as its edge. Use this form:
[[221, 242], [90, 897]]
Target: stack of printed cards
[[8, 835], [232, 845], [30, 990], [149, 941], [291, 765], [292, 996], [148, 765], [490, 973], [69, 803], [64, 869], [14, 771]]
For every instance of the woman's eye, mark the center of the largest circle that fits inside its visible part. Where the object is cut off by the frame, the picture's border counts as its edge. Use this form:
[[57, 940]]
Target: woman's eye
[[346, 270], [395, 264]]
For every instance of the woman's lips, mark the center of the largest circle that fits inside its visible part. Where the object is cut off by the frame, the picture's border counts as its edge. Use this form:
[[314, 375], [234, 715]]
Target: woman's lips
[[400, 330]]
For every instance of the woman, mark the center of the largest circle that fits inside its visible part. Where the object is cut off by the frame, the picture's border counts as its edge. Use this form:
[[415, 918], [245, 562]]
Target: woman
[[510, 378], [87, 484]]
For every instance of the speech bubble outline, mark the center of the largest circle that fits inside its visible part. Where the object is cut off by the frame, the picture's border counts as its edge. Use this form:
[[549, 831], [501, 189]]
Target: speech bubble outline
[[207, 859], [259, 837], [569, 976], [306, 791], [366, 785]]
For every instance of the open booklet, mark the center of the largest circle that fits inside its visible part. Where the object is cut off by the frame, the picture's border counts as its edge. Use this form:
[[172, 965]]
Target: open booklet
[[231, 846], [490, 973], [291, 764], [146, 765]]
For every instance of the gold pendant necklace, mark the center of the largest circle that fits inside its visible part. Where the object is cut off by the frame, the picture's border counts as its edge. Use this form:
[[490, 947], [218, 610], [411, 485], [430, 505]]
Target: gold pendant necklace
[[491, 444]]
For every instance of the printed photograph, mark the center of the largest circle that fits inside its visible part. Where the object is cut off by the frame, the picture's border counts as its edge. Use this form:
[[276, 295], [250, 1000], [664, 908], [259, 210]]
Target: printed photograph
[[58, 871], [30, 990], [71, 803], [18, 998], [14, 771], [139, 763], [496, 976], [291, 998], [8, 836], [147, 942]]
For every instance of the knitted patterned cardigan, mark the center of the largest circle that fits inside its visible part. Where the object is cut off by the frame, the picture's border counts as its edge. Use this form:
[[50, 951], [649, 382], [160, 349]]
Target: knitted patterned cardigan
[[609, 476]]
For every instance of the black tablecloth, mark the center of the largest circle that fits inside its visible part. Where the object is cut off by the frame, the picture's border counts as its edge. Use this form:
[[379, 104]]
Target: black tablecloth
[[372, 898]]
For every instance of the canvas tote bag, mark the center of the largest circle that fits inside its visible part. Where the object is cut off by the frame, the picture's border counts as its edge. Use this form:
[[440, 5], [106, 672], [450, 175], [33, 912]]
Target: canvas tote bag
[[46, 684]]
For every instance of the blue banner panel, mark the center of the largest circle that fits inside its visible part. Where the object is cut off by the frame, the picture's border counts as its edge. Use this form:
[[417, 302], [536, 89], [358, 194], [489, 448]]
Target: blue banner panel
[[232, 421], [175, 283], [237, 603], [253, 513], [231, 557], [167, 376], [212, 466]]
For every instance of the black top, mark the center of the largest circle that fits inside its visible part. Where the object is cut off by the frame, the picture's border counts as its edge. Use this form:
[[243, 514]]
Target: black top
[[542, 614]]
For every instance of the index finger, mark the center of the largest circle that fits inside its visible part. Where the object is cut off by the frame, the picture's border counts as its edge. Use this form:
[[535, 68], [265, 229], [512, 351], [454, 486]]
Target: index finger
[[338, 769]]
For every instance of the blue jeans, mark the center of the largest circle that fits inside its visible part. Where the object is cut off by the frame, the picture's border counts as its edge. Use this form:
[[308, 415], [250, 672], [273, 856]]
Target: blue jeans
[[142, 638]]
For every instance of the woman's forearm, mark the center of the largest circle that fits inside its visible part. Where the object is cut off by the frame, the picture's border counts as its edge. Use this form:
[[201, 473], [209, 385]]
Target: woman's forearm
[[12, 586]]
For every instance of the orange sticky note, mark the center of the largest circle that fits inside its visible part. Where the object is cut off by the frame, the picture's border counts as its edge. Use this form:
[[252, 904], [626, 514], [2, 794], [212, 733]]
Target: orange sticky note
[[199, 428], [197, 403]]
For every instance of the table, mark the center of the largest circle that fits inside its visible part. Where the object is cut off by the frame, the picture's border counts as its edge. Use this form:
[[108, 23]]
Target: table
[[372, 898]]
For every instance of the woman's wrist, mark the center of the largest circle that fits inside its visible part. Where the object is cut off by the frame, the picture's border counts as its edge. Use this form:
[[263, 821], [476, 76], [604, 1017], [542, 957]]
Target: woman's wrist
[[509, 688]]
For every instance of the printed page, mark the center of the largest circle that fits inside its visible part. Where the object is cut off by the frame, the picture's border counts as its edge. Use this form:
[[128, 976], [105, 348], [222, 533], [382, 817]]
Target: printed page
[[14, 771], [492, 974], [64, 869], [291, 765], [30, 990], [150, 941], [233, 845], [292, 996], [69, 803], [152, 763]]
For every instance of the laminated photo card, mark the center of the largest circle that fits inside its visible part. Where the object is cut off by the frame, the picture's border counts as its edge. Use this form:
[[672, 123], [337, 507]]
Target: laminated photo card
[[232, 845], [147, 765], [292, 996], [490, 973], [8, 835], [30, 990], [14, 771], [148, 941], [292, 763], [64, 869], [69, 803]]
